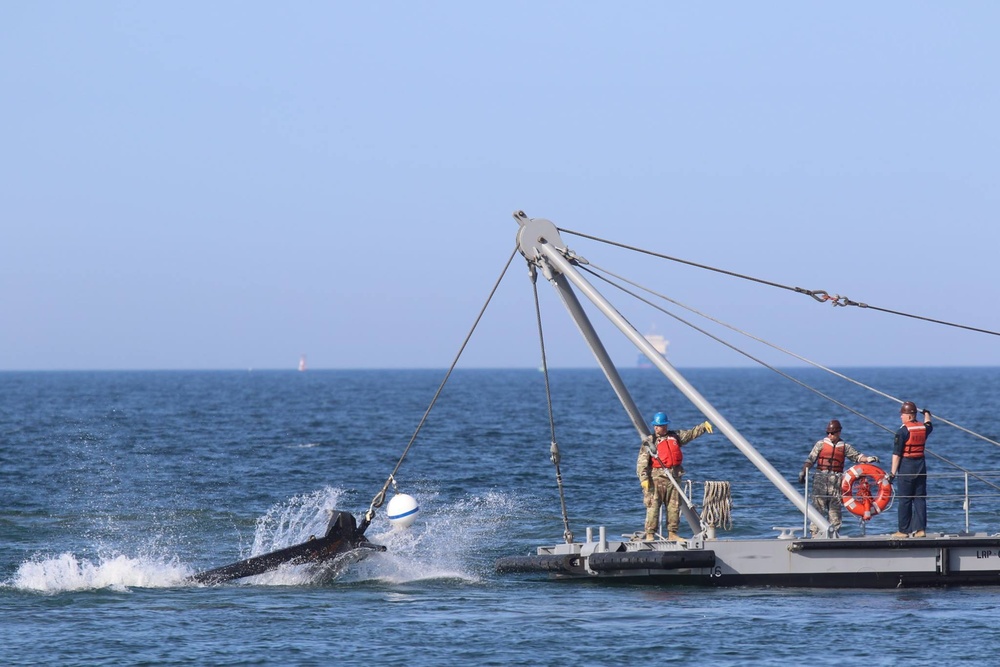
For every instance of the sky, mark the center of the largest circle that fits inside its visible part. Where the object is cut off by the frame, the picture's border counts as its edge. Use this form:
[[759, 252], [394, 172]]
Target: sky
[[231, 185]]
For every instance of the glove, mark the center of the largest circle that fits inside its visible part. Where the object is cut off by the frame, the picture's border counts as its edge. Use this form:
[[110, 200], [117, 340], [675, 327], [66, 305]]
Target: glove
[[645, 487], [872, 459], [926, 413], [708, 426], [802, 477], [891, 477]]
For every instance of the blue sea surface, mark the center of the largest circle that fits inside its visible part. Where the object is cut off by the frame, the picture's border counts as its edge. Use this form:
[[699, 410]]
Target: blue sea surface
[[115, 487]]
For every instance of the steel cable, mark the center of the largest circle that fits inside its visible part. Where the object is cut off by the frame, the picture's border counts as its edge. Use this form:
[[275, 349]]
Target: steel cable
[[594, 271], [379, 498], [554, 446], [818, 295]]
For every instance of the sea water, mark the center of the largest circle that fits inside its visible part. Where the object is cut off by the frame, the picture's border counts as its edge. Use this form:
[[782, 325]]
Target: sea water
[[115, 487]]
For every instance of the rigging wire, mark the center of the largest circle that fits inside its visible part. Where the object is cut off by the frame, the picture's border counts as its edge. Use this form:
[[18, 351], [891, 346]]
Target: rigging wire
[[594, 272], [721, 341], [554, 446], [818, 295], [379, 498], [787, 352]]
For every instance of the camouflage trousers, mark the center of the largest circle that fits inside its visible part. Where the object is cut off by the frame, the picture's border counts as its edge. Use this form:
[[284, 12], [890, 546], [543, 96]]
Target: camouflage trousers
[[663, 494], [827, 498]]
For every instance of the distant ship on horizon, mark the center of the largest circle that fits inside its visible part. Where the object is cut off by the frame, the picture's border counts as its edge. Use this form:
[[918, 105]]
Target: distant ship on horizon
[[659, 343], [302, 363]]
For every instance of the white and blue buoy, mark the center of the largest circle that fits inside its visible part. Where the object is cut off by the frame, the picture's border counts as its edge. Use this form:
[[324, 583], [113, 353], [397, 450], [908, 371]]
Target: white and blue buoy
[[402, 510]]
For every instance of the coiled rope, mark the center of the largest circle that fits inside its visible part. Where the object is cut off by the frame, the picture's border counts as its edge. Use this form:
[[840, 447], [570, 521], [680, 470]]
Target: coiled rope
[[717, 507]]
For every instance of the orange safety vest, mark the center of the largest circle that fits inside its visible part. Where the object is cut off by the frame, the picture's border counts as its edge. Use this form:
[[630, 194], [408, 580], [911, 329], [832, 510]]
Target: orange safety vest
[[668, 450], [831, 457], [914, 447]]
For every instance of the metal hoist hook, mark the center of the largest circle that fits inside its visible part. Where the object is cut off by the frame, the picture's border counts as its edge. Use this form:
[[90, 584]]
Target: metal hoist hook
[[379, 498]]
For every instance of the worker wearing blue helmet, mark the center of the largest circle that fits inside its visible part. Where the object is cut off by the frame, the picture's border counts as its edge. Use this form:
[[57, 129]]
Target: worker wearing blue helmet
[[659, 455]]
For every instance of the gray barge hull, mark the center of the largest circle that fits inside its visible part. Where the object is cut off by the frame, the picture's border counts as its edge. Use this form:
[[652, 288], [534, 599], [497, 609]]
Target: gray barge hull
[[847, 562]]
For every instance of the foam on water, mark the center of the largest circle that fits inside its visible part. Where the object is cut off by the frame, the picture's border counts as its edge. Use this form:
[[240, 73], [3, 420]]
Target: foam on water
[[443, 544], [68, 572], [294, 521]]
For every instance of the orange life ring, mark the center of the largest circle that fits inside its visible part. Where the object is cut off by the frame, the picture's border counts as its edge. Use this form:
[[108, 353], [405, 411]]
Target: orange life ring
[[856, 487]]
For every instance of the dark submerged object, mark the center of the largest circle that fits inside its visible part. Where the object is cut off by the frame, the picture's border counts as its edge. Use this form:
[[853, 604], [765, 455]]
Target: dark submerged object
[[342, 537]]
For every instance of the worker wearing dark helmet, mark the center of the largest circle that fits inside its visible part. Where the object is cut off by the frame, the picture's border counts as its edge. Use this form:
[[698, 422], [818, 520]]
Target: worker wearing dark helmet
[[829, 455], [909, 465]]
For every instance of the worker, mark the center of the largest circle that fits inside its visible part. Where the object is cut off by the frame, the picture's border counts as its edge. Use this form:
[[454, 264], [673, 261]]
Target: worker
[[829, 455], [660, 455], [909, 465]]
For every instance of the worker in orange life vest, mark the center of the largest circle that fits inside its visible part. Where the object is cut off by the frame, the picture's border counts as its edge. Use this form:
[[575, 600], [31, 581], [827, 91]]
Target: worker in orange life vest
[[909, 464], [829, 455], [659, 453]]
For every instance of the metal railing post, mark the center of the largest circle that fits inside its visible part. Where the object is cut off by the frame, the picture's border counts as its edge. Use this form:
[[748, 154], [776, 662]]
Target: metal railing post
[[966, 502], [805, 510]]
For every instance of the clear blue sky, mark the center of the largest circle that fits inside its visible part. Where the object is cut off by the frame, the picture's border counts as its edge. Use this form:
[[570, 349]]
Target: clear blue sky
[[189, 185]]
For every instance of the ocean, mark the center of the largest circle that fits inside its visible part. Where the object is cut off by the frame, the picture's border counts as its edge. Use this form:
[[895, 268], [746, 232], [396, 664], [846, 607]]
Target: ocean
[[115, 487]]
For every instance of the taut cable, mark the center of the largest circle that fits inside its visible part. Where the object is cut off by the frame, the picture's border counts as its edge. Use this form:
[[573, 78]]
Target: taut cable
[[379, 498]]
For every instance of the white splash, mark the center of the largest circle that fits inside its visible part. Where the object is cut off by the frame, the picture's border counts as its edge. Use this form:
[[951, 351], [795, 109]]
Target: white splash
[[67, 572], [445, 543], [295, 521]]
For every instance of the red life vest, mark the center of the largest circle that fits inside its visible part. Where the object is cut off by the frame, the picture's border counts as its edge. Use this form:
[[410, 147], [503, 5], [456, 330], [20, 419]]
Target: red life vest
[[668, 450], [914, 447], [831, 456]]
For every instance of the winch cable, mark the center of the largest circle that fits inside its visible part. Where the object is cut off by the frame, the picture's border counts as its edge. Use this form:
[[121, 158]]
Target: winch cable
[[774, 369], [379, 498], [554, 447], [783, 351], [819, 295], [724, 342]]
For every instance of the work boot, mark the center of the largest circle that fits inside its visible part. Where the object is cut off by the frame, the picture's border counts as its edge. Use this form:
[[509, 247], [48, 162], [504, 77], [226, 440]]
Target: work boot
[[649, 537], [674, 537], [899, 534], [920, 533]]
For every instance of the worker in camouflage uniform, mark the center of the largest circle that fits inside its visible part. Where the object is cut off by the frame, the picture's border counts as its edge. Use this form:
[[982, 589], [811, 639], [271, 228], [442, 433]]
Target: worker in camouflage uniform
[[829, 455], [659, 453]]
